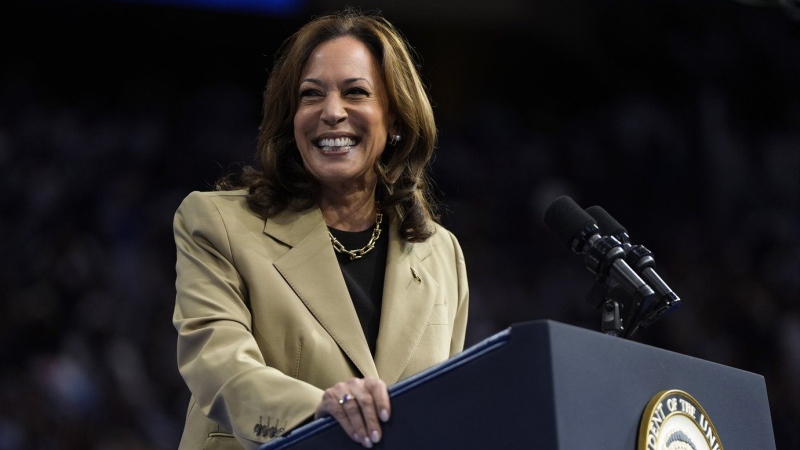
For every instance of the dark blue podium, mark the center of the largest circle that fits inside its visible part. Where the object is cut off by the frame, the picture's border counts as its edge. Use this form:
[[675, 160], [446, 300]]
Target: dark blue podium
[[548, 385]]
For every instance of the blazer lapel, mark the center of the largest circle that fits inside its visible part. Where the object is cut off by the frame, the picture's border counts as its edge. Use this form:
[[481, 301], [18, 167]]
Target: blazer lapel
[[311, 269], [409, 293]]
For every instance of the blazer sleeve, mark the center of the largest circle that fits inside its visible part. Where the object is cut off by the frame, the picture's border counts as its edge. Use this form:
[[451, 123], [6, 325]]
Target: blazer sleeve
[[218, 356], [460, 321]]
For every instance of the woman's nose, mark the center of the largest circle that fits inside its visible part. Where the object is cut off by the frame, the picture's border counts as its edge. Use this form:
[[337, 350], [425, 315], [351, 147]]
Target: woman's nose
[[333, 110]]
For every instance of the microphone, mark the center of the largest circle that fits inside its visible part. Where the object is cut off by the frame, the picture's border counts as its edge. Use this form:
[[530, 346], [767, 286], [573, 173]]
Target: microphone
[[604, 256], [642, 261]]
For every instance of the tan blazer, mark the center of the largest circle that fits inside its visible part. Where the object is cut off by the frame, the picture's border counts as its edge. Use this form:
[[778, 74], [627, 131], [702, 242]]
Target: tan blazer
[[265, 321]]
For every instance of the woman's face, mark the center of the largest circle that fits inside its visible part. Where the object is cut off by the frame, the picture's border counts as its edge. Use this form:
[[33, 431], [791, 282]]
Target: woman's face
[[342, 121]]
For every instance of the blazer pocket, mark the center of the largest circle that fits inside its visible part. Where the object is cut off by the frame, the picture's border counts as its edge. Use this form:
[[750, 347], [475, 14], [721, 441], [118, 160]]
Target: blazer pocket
[[221, 441]]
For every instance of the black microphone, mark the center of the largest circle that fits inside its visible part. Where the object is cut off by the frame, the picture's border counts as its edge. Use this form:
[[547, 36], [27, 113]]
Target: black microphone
[[642, 261], [604, 255]]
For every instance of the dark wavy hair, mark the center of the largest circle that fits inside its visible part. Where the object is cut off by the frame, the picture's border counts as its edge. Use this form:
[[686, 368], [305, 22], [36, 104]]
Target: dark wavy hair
[[278, 179]]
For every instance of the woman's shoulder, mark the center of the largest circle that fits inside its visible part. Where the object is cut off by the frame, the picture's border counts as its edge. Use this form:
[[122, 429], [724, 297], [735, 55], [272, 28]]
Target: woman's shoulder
[[441, 231], [442, 247], [216, 194], [227, 204], [200, 199], [443, 237]]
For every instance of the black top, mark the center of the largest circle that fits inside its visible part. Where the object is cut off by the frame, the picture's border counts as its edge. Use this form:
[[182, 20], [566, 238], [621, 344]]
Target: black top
[[364, 277]]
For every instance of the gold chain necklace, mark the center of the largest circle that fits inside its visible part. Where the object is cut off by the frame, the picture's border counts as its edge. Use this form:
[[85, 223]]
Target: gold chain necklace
[[356, 254]]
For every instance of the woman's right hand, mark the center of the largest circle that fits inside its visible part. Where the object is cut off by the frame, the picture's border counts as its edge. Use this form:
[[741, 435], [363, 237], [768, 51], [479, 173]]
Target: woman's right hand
[[359, 405]]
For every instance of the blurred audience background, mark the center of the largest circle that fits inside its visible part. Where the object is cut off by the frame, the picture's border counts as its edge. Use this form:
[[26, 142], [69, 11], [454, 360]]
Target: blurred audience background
[[680, 118]]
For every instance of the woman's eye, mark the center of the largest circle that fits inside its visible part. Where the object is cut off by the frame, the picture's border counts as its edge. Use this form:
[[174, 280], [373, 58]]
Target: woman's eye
[[309, 93], [358, 92]]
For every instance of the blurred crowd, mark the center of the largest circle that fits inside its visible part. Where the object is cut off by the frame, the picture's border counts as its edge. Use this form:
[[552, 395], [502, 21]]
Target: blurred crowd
[[684, 125]]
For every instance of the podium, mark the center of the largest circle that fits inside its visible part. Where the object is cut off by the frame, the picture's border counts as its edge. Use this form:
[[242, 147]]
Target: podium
[[548, 385]]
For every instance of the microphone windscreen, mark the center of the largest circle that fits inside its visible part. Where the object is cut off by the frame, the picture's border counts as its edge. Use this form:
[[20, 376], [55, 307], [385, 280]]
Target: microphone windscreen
[[608, 225], [567, 219]]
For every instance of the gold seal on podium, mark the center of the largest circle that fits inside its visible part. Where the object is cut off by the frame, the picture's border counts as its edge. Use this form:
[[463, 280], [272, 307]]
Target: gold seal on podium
[[674, 420]]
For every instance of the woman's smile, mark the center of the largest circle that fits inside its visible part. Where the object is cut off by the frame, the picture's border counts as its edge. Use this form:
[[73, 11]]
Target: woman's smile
[[336, 145]]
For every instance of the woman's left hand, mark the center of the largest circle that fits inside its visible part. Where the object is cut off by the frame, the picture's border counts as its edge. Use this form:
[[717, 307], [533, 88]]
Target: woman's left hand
[[359, 405]]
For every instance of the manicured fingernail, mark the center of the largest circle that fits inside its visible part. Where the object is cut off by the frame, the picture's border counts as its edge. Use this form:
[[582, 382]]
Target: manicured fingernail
[[356, 437], [384, 415], [376, 437], [367, 443]]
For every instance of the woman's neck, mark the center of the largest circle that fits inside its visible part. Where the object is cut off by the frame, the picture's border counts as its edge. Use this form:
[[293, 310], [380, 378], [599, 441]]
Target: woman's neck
[[352, 211]]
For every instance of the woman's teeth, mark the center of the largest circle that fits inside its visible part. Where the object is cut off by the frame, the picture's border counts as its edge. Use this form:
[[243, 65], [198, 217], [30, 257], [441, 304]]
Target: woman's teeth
[[330, 144]]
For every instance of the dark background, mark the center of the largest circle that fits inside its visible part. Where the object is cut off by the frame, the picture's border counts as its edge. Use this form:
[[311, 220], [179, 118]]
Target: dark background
[[681, 118]]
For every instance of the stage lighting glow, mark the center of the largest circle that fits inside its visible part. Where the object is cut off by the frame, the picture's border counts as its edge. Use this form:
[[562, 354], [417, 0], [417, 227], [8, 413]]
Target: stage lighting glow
[[270, 7]]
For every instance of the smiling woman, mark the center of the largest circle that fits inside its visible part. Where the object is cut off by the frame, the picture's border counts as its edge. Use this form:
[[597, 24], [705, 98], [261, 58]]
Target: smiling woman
[[342, 125], [295, 281]]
